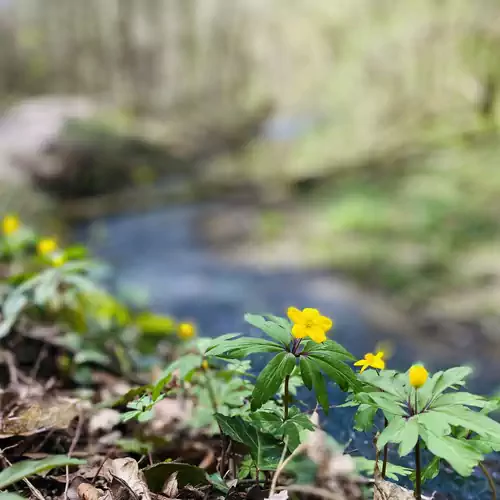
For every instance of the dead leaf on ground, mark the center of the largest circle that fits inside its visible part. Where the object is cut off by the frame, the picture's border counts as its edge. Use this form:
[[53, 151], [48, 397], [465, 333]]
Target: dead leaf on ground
[[169, 412], [103, 421], [124, 475], [29, 418], [385, 490], [88, 492]]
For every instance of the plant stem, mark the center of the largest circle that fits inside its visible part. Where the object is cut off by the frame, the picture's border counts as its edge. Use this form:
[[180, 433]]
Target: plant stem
[[286, 398], [418, 486], [386, 453], [493, 488]]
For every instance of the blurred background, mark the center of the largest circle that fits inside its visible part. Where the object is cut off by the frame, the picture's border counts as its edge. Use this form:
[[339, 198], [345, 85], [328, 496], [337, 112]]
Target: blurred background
[[247, 155]]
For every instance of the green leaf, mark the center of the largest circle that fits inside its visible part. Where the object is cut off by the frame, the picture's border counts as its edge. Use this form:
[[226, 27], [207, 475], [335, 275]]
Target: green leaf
[[240, 348], [271, 378], [389, 404], [313, 378], [187, 474], [459, 454], [387, 381], [409, 436], [306, 370], [28, 468], [329, 346], [279, 331], [392, 433], [430, 471], [435, 423], [458, 398], [364, 417], [264, 448], [451, 379], [185, 364], [472, 420], [363, 465], [218, 483], [11, 496], [336, 370]]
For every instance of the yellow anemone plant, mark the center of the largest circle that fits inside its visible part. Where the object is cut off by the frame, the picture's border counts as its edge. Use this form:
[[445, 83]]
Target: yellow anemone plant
[[186, 330], [10, 224], [46, 246], [371, 361], [418, 376], [309, 323]]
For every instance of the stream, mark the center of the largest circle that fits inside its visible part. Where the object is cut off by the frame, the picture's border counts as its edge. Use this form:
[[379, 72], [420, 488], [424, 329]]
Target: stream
[[162, 253]]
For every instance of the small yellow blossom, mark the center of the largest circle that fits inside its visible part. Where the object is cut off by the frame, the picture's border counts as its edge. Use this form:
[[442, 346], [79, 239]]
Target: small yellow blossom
[[204, 364], [46, 246], [186, 330], [309, 323], [371, 361], [418, 376], [58, 260], [10, 224]]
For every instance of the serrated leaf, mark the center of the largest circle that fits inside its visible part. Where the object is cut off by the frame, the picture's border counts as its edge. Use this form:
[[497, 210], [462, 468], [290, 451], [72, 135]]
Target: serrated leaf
[[28, 468], [387, 381], [430, 471], [458, 398], [392, 433], [389, 404], [450, 379], [469, 419], [365, 465], [240, 348], [271, 378], [274, 328], [336, 370], [435, 423], [313, 378], [409, 436], [364, 417], [264, 448], [459, 454], [306, 372], [329, 346]]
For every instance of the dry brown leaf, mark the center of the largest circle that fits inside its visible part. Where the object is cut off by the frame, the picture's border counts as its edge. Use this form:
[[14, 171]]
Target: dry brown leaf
[[104, 420], [168, 412], [125, 473], [38, 416], [385, 490], [88, 492], [171, 488]]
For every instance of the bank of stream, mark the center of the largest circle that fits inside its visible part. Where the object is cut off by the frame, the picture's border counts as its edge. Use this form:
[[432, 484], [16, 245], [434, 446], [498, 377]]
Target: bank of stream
[[163, 254]]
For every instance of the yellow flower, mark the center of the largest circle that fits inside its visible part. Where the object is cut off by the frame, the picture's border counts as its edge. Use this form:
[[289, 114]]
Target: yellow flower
[[418, 376], [309, 323], [10, 224], [58, 260], [46, 246], [204, 364], [186, 330], [371, 361]]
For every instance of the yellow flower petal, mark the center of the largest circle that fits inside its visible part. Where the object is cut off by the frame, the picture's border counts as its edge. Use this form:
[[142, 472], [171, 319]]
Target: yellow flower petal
[[46, 246], [295, 315], [364, 368], [418, 376], [360, 362], [186, 330], [378, 363], [325, 323], [299, 331], [10, 224], [316, 334], [310, 314]]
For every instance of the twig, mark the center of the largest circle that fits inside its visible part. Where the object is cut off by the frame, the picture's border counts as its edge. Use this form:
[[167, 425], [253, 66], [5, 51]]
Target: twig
[[74, 442], [284, 462], [491, 483], [310, 490]]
